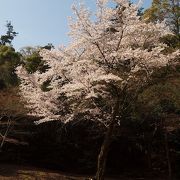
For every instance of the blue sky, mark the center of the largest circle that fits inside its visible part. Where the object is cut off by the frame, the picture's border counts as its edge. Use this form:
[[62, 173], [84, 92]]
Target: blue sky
[[39, 22]]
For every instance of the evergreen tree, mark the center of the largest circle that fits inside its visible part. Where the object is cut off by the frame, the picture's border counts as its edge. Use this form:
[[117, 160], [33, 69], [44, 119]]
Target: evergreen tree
[[9, 36], [168, 10], [9, 60]]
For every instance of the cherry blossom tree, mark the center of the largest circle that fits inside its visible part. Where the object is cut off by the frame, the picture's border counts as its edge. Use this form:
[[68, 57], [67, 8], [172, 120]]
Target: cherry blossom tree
[[112, 55]]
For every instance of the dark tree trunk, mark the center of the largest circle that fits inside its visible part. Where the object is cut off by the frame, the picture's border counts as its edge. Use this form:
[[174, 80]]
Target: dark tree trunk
[[102, 158], [149, 156], [168, 156], [148, 142]]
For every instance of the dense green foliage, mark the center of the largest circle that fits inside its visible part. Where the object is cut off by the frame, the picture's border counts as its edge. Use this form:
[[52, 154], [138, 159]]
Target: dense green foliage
[[168, 11], [9, 60], [31, 59]]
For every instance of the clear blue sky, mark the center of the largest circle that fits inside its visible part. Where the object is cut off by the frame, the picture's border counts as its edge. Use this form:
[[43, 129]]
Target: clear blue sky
[[40, 21]]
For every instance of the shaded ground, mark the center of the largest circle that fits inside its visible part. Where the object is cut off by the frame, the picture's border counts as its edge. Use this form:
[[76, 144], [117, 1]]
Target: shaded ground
[[30, 144], [16, 172]]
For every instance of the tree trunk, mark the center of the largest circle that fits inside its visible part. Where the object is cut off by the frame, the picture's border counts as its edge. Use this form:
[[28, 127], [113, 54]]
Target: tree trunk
[[148, 142], [102, 158], [149, 156], [168, 156]]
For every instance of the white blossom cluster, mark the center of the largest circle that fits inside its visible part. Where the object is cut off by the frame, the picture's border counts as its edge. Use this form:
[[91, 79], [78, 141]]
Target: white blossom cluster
[[108, 49]]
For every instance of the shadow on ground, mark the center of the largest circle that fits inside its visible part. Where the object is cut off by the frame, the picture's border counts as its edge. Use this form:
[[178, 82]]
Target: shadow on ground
[[13, 172]]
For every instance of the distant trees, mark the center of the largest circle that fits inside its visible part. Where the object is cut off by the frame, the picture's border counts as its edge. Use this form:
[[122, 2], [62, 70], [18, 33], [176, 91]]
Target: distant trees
[[32, 60], [101, 72], [168, 11], [9, 36], [9, 60]]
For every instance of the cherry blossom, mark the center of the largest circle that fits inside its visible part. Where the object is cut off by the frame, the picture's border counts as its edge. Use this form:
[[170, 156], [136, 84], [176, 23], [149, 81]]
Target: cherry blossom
[[110, 49]]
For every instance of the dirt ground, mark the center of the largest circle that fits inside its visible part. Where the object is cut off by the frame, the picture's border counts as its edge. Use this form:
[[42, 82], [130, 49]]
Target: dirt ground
[[16, 172]]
